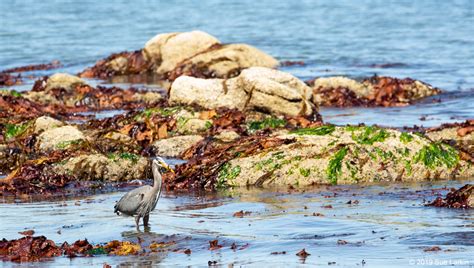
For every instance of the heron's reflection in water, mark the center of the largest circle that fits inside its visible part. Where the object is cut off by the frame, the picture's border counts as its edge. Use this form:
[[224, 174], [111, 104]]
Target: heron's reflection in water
[[150, 258]]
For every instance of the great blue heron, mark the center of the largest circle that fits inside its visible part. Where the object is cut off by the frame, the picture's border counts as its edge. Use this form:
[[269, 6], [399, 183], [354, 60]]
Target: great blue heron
[[141, 201]]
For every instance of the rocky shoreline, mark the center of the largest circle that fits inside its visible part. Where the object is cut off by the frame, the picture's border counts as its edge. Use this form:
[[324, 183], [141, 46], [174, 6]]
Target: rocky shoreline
[[236, 119]]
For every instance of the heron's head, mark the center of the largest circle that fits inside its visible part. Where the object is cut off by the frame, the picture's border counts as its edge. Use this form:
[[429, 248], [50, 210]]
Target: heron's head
[[160, 163]]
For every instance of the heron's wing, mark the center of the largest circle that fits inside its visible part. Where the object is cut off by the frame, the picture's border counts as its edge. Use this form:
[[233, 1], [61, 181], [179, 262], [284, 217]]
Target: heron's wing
[[131, 201]]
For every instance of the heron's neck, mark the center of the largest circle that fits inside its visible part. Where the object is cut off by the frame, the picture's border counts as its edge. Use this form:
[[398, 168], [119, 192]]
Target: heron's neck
[[157, 180]]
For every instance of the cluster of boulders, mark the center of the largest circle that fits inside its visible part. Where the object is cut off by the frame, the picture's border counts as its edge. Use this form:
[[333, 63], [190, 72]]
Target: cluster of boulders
[[235, 118]]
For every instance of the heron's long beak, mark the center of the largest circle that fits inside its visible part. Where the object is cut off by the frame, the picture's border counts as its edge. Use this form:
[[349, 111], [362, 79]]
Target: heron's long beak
[[167, 167]]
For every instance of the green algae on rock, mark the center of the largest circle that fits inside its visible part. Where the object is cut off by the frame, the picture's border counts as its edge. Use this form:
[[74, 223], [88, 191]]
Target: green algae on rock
[[342, 155], [322, 130]]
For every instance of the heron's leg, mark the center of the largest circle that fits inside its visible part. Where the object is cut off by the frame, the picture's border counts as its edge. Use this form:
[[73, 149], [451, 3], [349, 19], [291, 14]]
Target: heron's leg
[[137, 220], [145, 219]]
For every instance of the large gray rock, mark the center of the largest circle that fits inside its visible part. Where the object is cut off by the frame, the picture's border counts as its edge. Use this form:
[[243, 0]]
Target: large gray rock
[[168, 49], [347, 155], [44, 123], [175, 146], [208, 93], [101, 167], [227, 60], [63, 80], [256, 88], [194, 53], [59, 138]]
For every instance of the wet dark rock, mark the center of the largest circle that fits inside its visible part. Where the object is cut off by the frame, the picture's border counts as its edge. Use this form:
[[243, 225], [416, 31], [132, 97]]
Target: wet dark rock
[[71, 91], [461, 198], [123, 63], [214, 244], [302, 253]]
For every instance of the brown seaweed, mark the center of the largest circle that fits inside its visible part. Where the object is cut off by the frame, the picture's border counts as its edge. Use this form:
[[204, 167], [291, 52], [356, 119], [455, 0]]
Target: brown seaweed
[[135, 64], [388, 92], [200, 172], [461, 198], [7, 79], [34, 67]]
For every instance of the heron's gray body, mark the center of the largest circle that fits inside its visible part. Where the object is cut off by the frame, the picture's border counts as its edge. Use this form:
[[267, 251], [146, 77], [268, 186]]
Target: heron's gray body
[[132, 204], [141, 201]]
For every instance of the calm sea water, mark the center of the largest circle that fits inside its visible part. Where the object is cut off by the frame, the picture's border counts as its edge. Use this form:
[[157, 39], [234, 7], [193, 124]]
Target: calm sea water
[[388, 227], [428, 40]]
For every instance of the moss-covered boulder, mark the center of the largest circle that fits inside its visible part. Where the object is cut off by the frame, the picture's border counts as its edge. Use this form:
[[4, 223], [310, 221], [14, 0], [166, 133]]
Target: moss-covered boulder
[[341, 155]]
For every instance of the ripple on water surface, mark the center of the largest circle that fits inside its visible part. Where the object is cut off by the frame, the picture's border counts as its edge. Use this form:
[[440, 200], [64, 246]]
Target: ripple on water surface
[[382, 225]]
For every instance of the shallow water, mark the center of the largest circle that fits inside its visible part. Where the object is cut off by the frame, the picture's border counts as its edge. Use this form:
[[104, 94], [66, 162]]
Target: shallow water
[[389, 226], [428, 40]]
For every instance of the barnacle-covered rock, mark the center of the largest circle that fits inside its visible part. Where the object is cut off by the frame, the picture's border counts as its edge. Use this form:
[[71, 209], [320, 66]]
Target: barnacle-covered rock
[[460, 135]]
